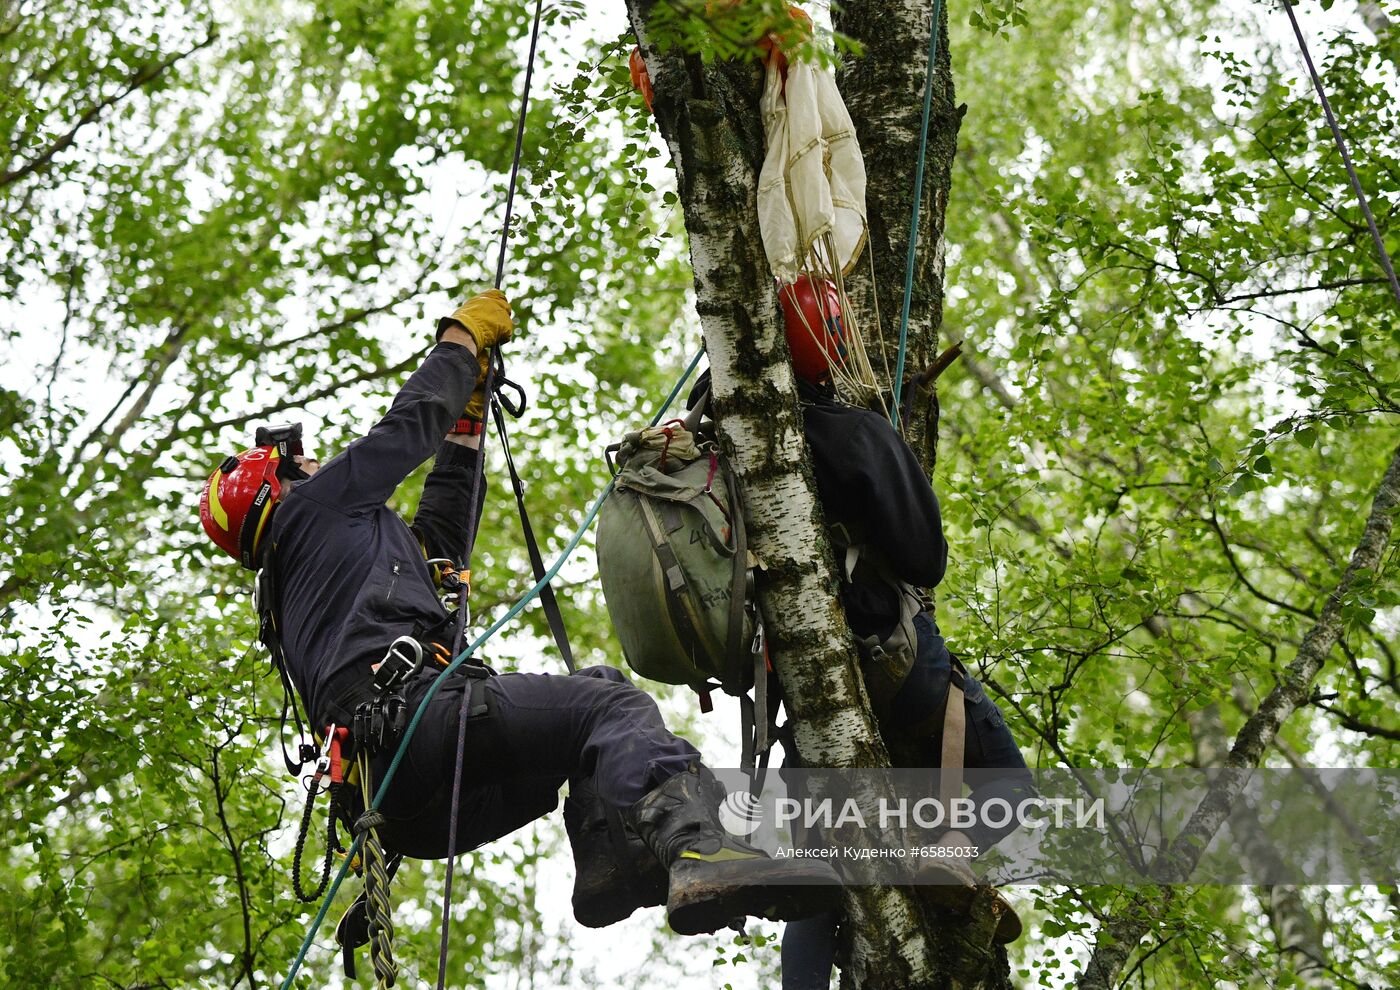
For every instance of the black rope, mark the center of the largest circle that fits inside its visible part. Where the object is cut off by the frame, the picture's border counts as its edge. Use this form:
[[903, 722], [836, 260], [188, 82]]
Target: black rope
[[548, 602], [1346, 157], [519, 142], [303, 834], [495, 364], [458, 639]]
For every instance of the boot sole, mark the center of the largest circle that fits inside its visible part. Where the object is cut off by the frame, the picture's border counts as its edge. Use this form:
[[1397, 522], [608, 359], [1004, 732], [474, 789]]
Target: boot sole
[[710, 899], [952, 893]]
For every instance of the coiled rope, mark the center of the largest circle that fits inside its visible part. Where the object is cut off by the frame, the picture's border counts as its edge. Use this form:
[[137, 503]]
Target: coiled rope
[[378, 908]]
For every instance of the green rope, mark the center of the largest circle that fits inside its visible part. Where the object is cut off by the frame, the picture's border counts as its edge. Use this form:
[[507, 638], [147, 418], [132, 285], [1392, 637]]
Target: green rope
[[461, 658], [914, 220]]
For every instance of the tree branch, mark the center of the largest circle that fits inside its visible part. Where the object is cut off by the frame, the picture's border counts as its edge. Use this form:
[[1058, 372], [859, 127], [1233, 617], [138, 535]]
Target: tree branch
[[1121, 933], [137, 80], [232, 844], [1350, 721], [374, 374]]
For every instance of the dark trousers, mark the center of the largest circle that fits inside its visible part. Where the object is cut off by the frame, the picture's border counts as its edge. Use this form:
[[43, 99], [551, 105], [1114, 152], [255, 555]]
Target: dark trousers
[[809, 946], [538, 731]]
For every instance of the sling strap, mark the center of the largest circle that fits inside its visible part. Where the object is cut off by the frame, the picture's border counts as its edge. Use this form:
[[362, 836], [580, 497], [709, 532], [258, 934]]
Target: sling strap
[[265, 602], [547, 600], [950, 778]]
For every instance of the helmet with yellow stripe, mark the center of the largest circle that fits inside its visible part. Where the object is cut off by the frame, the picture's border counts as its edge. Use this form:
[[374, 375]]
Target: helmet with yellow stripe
[[238, 498]]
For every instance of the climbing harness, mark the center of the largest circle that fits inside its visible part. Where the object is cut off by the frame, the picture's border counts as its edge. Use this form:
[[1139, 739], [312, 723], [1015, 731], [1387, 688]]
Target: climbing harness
[[411, 728]]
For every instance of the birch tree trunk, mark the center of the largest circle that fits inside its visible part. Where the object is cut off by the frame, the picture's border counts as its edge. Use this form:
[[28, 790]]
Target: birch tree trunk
[[884, 91], [1380, 24], [708, 115], [1297, 932]]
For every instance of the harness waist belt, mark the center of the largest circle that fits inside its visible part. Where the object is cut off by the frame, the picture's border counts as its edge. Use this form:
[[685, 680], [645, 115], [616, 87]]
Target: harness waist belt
[[346, 690], [341, 695]]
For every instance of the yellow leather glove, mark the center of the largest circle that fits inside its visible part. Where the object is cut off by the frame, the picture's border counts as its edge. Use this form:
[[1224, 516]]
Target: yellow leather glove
[[486, 317], [476, 405]]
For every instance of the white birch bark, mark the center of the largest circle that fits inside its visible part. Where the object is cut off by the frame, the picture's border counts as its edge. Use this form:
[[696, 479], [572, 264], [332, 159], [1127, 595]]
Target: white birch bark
[[709, 118]]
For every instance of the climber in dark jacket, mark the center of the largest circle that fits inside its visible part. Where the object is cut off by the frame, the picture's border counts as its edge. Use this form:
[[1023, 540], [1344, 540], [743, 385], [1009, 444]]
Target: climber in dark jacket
[[887, 530], [871, 485], [351, 578]]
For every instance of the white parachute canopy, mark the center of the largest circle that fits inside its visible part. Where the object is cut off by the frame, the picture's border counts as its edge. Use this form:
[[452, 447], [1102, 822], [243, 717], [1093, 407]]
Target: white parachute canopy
[[811, 202], [811, 192]]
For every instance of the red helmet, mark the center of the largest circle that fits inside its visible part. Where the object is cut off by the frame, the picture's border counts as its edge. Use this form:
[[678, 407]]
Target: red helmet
[[237, 500], [815, 332]]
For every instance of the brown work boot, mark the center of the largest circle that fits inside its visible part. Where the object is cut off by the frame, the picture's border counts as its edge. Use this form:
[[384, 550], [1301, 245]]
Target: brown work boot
[[951, 885], [715, 878]]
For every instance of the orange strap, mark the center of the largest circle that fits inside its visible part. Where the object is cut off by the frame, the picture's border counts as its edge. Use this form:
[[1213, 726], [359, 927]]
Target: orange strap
[[338, 736]]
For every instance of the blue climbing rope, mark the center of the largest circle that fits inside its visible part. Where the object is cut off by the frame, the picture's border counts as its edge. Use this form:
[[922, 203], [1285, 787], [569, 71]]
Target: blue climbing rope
[[914, 219], [461, 658]]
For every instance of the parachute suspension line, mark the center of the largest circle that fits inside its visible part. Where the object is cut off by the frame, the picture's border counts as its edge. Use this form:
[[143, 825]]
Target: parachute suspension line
[[451, 668], [855, 374], [494, 363], [850, 368], [914, 219], [879, 322], [1386, 265]]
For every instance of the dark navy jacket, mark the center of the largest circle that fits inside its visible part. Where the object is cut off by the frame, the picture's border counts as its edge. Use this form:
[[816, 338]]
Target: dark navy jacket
[[350, 574], [869, 480]]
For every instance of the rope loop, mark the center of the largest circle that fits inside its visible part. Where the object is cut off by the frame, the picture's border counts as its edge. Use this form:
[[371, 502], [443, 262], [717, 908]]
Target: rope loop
[[371, 819], [303, 833]]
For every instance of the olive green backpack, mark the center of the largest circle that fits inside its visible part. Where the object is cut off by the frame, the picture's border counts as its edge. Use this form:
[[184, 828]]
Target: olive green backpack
[[675, 565]]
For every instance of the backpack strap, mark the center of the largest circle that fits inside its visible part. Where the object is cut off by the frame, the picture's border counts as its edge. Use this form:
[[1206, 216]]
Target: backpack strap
[[954, 740], [684, 610], [738, 590], [746, 733], [762, 736]]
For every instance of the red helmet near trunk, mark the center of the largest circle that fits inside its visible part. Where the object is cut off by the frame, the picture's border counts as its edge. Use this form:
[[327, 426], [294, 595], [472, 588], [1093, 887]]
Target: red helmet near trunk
[[816, 333]]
